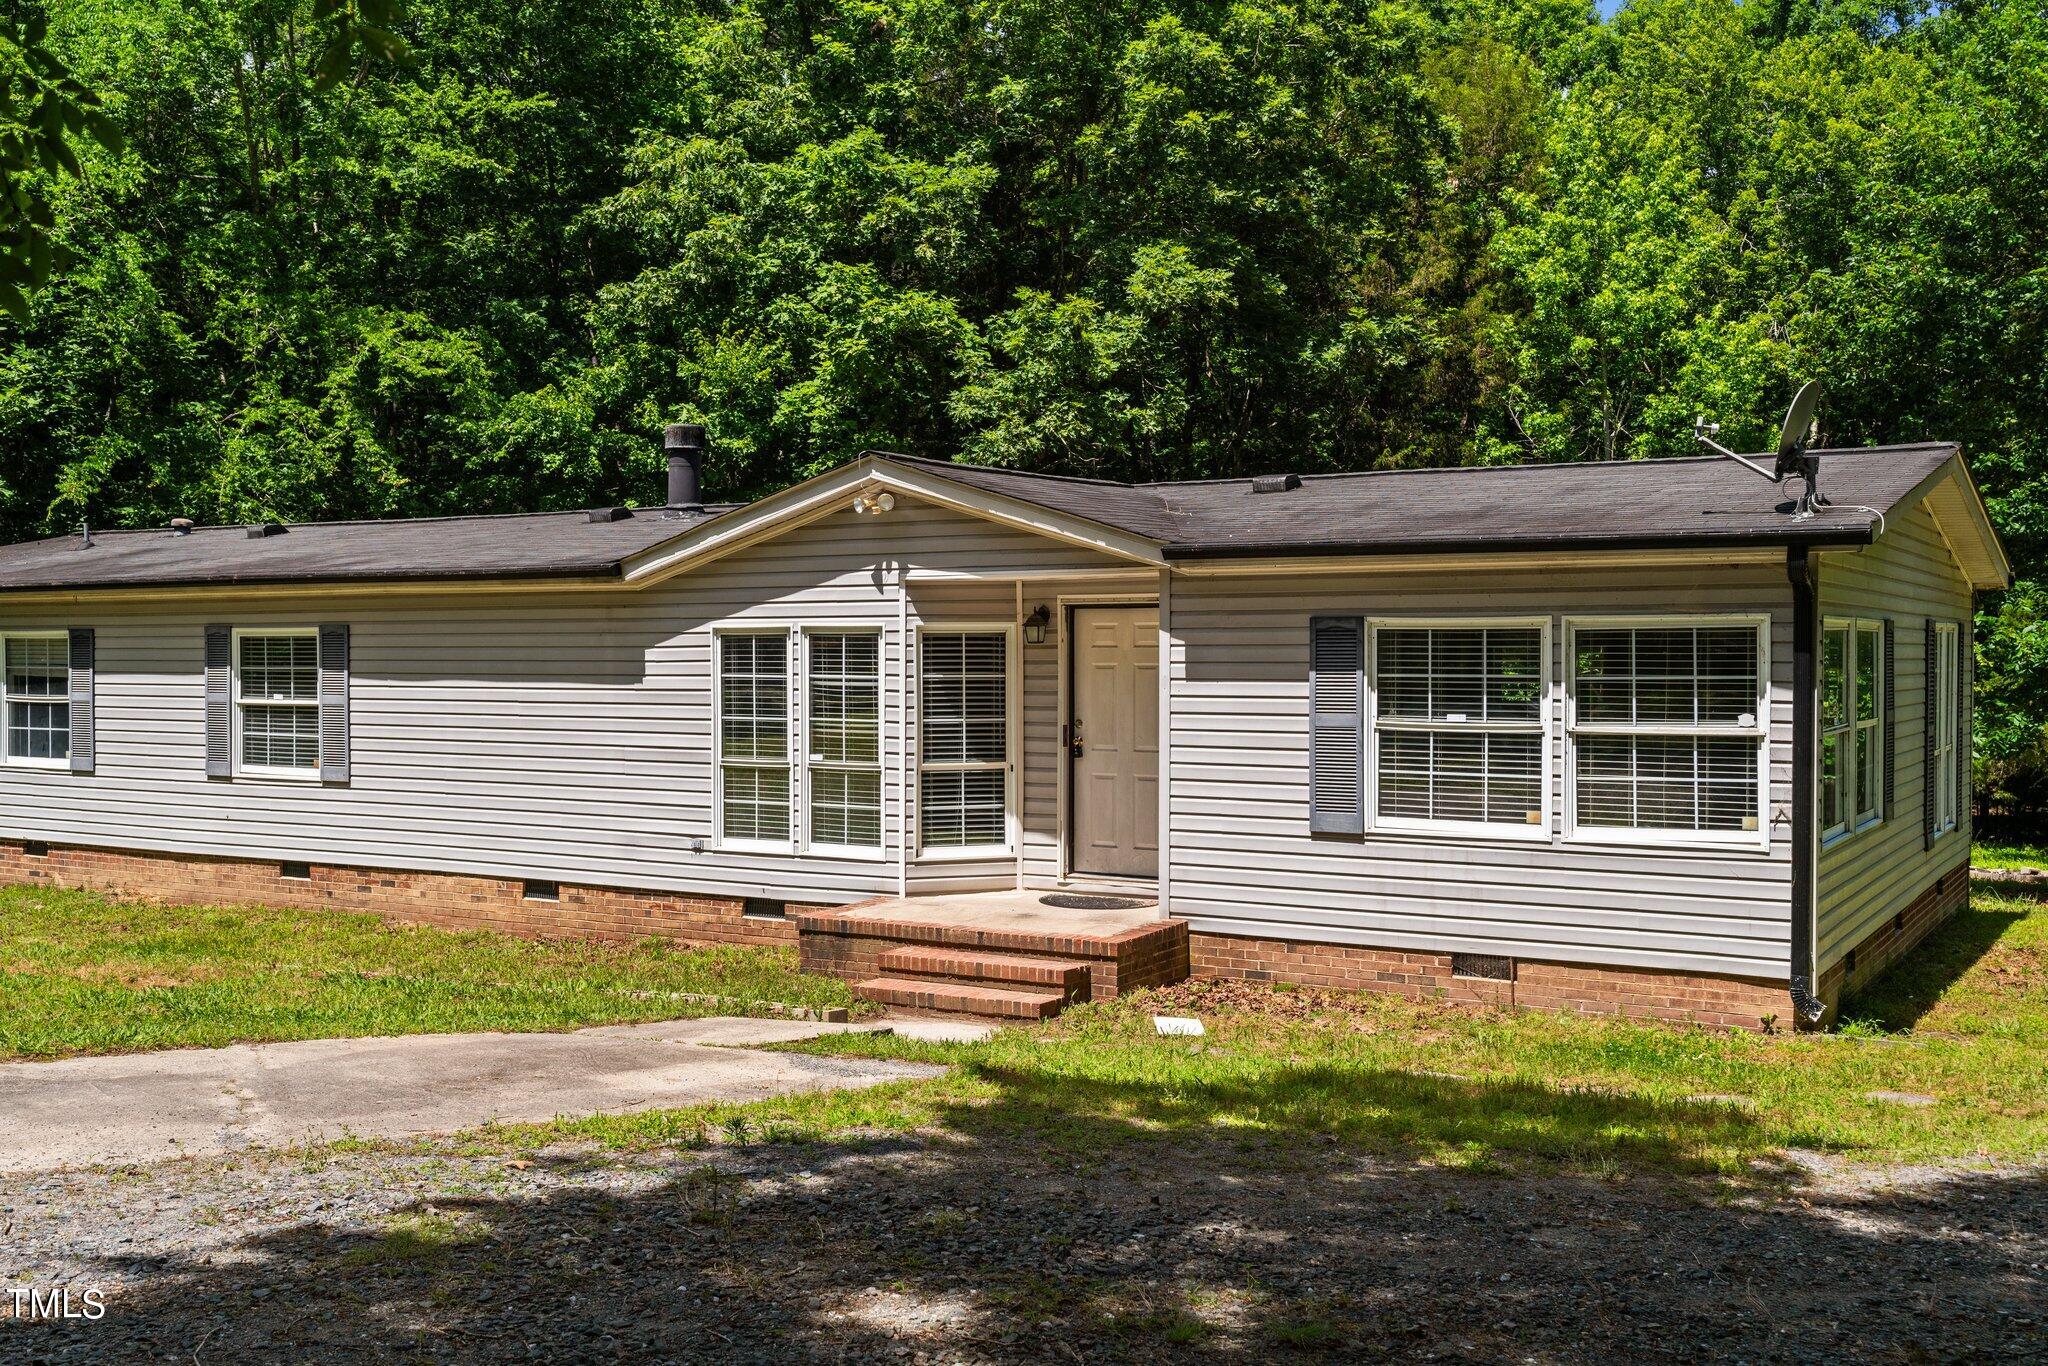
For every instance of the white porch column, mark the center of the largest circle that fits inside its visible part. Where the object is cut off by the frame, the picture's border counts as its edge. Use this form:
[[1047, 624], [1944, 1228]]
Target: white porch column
[[1165, 743], [905, 826]]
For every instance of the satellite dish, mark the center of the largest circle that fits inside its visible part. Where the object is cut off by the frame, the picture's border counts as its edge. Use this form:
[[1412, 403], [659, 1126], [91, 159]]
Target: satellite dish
[[1798, 422], [1794, 460]]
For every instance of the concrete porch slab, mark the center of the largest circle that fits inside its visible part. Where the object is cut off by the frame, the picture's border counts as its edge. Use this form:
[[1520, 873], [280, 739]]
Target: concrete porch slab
[[1009, 912]]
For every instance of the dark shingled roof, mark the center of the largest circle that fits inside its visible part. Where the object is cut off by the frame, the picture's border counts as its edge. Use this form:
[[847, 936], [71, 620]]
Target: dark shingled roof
[[1618, 504], [1627, 503], [531, 545]]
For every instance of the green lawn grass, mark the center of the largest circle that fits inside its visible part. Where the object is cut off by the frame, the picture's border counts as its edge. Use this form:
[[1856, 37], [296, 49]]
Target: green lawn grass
[[1965, 1021], [2004, 855], [84, 974]]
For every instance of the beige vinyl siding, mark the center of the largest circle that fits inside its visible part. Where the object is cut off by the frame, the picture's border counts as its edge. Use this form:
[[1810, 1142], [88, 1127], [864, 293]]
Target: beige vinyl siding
[[1245, 863], [564, 736], [1867, 876]]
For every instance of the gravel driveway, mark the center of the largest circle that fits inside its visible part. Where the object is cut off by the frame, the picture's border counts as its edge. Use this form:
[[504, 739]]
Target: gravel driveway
[[951, 1250]]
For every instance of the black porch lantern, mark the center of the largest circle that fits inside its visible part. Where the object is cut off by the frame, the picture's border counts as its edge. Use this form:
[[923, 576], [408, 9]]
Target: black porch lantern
[[1035, 624]]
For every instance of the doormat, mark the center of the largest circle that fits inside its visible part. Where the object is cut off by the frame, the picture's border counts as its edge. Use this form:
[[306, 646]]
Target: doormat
[[1075, 901]]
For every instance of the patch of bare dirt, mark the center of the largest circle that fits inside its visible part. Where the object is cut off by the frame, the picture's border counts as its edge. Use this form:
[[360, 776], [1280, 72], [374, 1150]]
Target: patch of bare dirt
[[1217, 997], [141, 976]]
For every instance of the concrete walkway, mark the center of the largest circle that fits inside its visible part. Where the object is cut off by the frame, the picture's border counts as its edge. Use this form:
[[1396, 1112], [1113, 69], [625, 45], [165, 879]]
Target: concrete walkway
[[146, 1106]]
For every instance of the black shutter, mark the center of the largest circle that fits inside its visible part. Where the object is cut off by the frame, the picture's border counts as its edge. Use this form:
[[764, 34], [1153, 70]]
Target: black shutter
[[1966, 669], [1928, 721], [219, 752], [334, 704], [1336, 710], [1891, 747], [80, 696]]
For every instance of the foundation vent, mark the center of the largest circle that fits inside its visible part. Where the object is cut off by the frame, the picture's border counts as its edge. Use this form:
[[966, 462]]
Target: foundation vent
[[297, 872], [538, 889], [1489, 967], [761, 908]]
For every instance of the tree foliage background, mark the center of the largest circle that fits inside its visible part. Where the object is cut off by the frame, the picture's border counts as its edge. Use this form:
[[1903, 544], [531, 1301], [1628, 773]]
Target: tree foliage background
[[1131, 238]]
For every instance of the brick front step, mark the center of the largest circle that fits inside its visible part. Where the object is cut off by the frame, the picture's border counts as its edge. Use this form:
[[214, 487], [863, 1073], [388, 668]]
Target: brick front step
[[1063, 975], [960, 998], [902, 938]]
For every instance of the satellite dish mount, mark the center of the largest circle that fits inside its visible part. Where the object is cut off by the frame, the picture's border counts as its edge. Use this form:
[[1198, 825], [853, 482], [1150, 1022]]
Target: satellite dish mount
[[1794, 460]]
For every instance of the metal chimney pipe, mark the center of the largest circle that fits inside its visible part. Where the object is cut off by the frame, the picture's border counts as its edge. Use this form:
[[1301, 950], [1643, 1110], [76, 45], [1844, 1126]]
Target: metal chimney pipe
[[684, 442]]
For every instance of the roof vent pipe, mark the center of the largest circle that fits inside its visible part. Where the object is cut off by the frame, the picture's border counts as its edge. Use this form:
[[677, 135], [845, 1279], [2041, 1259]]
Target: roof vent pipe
[[181, 526], [684, 442]]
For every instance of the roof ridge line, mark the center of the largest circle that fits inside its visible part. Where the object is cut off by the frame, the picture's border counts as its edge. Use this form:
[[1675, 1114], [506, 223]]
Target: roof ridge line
[[1012, 470], [1164, 484]]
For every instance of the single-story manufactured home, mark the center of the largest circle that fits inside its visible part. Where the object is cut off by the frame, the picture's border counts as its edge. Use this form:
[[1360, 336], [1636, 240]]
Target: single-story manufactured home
[[1646, 737]]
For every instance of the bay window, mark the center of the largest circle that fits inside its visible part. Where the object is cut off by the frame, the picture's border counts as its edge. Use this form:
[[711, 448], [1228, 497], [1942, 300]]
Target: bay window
[[1668, 727], [1458, 730], [843, 726], [963, 740]]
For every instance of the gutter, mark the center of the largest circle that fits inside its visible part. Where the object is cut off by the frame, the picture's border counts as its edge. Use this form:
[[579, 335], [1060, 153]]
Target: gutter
[[1801, 569], [1774, 536]]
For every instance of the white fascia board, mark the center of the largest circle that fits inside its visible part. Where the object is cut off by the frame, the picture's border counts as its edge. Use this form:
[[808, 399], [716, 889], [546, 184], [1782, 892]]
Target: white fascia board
[[1475, 561], [1986, 563]]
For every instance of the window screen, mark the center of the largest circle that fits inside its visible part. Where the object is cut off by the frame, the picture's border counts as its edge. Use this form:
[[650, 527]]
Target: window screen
[[844, 721], [1667, 727], [963, 739], [277, 688], [1852, 708], [753, 737], [1458, 724], [38, 698]]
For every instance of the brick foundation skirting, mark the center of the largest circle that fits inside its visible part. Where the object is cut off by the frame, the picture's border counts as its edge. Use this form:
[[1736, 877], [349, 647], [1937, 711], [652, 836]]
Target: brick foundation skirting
[[1639, 993], [1892, 940], [447, 900]]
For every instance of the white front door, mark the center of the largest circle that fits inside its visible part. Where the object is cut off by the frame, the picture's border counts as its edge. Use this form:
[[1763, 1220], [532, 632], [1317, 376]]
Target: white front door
[[1114, 741]]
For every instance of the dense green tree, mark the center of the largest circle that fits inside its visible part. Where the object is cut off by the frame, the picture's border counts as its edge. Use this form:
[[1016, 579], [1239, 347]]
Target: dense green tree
[[1134, 238], [361, 300]]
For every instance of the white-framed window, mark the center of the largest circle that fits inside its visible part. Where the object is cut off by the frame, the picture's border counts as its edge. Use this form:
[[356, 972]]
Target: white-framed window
[[1944, 720], [1667, 721], [754, 767], [843, 739], [964, 768], [1851, 725], [277, 702], [38, 666], [1459, 740]]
